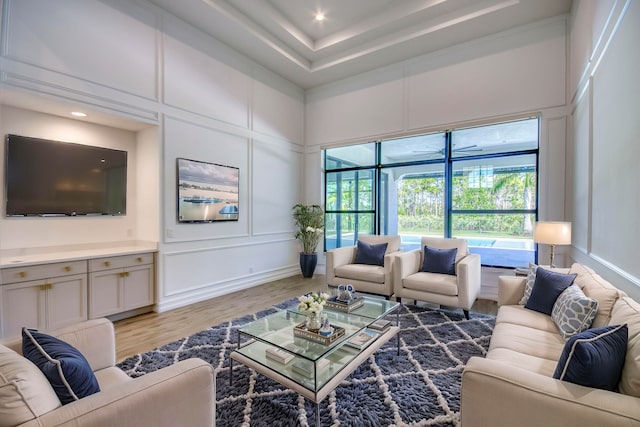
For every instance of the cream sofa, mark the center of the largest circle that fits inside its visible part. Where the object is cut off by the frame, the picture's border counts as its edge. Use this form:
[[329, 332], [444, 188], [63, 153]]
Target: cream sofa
[[370, 279], [182, 394], [514, 385]]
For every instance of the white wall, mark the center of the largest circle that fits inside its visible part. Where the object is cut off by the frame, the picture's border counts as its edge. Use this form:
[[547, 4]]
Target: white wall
[[201, 101], [515, 73], [605, 94]]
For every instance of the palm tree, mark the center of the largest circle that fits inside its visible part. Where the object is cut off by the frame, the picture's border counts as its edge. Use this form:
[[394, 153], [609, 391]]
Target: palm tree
[[524, 180]]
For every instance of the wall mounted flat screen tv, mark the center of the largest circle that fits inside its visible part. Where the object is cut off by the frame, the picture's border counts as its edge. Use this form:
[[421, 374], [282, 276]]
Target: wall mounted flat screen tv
[[53, 178], [207, 192]]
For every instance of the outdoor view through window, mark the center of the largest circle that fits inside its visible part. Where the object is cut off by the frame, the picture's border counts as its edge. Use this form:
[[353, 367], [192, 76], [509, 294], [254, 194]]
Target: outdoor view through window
[[476, 183]]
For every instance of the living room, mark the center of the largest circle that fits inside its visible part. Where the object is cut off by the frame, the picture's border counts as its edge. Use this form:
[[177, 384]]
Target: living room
[[162, 89]]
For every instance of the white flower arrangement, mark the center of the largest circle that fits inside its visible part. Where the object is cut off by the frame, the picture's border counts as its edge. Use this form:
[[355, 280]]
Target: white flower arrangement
[[312, 303]]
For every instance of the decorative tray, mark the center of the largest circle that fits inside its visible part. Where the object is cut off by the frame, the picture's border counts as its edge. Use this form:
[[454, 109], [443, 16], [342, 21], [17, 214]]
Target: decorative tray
[[335, 305], [302, 332]]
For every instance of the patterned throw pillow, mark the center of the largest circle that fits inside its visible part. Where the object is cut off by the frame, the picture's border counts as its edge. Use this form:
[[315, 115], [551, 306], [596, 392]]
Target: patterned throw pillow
[[573, 311], [528, 287]]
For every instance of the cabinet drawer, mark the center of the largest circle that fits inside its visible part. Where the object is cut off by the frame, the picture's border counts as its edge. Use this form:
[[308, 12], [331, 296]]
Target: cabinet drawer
[[42, 271], [108, 263]]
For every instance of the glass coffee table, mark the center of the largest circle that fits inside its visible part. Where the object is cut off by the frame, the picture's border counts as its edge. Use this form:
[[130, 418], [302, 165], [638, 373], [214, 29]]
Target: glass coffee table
[[313, 369]]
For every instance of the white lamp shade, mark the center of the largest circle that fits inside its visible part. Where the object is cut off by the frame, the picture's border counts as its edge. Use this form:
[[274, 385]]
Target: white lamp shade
[[552, 233]]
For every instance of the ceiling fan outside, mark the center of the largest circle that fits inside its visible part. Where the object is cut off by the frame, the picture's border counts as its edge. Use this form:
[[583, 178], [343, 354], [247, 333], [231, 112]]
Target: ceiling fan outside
[[467, 149]]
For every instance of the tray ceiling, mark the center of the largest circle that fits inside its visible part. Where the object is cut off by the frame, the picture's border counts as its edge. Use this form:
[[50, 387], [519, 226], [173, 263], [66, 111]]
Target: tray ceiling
[[356, 35]]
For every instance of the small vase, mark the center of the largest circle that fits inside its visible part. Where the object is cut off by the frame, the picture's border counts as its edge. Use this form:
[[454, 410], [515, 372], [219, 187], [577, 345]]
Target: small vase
[[308, 263], [313, 322]]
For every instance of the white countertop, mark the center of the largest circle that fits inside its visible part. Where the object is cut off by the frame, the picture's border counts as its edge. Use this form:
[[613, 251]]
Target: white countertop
[[26, 257]]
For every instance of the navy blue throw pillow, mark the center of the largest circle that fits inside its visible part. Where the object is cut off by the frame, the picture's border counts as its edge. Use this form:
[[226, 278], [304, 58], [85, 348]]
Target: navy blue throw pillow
[[594, 358], [370, 254], [441, 261], [546, 289], [64, 366]]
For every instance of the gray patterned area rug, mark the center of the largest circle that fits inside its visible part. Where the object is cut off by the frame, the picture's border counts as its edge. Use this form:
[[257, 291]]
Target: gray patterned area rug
[[420, 387]]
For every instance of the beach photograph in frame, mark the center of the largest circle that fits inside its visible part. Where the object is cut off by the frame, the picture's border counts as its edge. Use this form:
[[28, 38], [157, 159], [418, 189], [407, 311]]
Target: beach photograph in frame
[[207, 192]]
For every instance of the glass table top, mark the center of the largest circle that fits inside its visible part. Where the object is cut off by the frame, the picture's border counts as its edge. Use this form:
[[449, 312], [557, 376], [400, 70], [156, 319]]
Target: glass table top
[[277, 328]]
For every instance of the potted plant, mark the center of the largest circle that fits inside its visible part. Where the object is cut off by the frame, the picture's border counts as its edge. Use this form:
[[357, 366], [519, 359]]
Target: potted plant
[[309, 221]]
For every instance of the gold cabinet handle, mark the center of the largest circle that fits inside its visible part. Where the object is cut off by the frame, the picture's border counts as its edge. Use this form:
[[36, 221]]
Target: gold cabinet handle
[[22, 274], [107, 263], [126, 274], [121, 274], [139, 259], [67, 268], [49, 286], [43, 287]]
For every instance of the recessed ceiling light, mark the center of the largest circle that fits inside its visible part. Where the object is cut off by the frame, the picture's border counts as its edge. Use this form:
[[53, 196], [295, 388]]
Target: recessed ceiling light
[[78, 114], [319, 16]]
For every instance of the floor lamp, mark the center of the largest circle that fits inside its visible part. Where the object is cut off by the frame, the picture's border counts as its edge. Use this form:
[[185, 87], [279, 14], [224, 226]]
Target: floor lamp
[[552, 233]]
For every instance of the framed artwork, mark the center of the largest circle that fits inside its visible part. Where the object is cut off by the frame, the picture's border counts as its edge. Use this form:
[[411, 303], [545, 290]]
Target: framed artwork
[[207, 192]]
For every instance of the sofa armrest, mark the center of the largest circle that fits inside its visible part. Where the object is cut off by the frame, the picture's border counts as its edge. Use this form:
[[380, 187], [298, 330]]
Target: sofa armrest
[[180, 394], [336, 258], [389, 264], [469, 274], [496, 393], [510, 289], [405, 264]]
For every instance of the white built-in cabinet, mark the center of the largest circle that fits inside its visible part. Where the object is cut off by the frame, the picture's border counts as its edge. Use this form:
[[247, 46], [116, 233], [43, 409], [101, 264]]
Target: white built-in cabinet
[[118, 284], [53, 295], [45, 296]]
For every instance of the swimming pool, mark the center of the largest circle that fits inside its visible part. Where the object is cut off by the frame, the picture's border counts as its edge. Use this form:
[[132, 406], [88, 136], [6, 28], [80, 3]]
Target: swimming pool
[[499, 252]]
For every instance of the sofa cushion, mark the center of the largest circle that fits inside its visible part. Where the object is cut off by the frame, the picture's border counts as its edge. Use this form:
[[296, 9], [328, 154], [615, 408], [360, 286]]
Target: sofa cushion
[[531, 278], [370, 254], [364, 272], [64, 366], [518, 315], [596, 287], [546, 290], [526, 340], [442, 284], [25, 392], [594, 358], [111, 376], [626, 310], [539, 365], [441, 261], [573, 311]]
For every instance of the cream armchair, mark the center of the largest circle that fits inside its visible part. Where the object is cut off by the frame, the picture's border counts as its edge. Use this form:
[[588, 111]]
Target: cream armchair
[[459, 290], [370, 279], [182, 394]]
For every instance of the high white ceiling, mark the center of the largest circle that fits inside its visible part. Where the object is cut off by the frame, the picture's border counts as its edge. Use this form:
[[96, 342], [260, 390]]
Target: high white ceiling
[[356, 35]]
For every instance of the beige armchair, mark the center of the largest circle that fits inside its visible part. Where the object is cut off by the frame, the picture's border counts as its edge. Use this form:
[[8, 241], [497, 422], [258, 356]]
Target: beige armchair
[[459, 290], [179, 394], [366, 278]]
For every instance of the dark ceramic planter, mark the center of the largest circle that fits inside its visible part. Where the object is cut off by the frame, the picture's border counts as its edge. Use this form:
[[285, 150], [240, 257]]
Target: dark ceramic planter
[[308, 263]]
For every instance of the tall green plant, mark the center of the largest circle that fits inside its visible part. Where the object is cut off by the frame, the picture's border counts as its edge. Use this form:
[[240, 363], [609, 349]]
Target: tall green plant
[[309, 220]]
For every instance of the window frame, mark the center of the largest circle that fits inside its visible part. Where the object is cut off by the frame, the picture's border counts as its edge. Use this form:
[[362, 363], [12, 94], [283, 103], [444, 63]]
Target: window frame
[[449, 161]]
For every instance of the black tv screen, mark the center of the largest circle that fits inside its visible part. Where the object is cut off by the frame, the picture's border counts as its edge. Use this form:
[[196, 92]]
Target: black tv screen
[[53, 178]]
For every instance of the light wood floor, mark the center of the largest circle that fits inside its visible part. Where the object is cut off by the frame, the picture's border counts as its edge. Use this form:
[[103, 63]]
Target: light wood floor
[[147, 331]]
